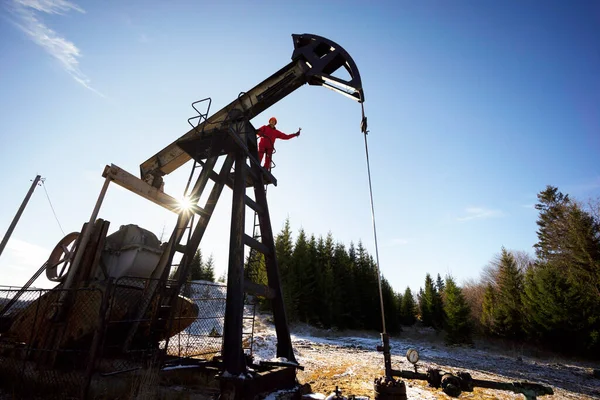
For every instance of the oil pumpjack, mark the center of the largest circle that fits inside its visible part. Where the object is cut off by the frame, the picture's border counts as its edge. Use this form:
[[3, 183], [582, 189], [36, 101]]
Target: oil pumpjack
[[224, 147]]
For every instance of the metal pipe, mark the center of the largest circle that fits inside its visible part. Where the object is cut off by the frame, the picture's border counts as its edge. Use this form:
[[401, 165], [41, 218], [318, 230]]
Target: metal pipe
[[18, 215], [85, 235]]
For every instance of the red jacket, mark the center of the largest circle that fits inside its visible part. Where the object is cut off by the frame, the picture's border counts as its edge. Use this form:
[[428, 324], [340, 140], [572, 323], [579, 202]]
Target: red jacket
[[268, 136]]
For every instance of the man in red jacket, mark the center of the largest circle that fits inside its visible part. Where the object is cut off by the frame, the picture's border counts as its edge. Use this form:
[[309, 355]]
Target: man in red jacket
[[268, 134]]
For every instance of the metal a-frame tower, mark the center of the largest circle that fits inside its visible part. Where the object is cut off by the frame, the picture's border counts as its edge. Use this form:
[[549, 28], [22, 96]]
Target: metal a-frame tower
[[224, 146]]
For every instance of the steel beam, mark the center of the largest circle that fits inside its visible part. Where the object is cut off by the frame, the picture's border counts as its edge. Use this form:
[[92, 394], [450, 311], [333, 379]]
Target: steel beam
[[233, 356], [141, 188]]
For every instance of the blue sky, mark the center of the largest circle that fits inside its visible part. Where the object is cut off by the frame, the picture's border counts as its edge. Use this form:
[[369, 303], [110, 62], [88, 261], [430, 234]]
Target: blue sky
[[473, 107]]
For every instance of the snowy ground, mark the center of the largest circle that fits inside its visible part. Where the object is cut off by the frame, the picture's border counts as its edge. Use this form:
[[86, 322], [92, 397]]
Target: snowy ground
[[351, 362]]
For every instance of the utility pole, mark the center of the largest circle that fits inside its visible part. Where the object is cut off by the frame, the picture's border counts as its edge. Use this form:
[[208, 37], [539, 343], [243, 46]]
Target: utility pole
[[16, 219]]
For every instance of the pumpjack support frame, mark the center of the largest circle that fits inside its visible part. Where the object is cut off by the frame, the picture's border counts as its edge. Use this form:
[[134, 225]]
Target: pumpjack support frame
[[228, 133]]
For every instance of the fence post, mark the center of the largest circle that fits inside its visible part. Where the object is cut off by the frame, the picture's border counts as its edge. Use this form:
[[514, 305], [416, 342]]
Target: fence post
[[97, 339]]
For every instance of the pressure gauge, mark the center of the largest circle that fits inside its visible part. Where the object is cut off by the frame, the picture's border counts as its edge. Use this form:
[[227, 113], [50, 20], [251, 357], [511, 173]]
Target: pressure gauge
[[412, 355]]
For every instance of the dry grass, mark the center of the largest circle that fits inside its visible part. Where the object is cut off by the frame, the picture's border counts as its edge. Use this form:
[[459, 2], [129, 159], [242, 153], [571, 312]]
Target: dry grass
[[350, 377]]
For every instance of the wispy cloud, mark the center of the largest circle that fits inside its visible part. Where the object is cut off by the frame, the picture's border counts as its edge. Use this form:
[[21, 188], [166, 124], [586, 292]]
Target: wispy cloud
[[29, 18], [479, 213]]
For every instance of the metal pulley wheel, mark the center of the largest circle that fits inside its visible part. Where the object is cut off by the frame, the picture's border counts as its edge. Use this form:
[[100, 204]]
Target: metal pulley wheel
[[61, 257]]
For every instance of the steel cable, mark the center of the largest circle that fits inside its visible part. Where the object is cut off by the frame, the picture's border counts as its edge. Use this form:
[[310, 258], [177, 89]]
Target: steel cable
[[365, 131], [52, 207]]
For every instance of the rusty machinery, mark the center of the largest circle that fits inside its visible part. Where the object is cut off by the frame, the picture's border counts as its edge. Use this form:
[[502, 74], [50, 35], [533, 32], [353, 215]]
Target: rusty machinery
[[224, 145]]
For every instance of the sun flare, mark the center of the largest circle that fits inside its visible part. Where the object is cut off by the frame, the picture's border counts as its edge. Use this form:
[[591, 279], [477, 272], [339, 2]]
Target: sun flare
[[185, 204]]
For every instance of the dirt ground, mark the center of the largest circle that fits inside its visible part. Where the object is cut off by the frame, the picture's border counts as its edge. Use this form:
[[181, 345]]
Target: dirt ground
[[349, 360]]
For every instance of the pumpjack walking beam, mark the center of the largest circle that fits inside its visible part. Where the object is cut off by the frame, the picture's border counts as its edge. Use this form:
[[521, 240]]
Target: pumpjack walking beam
[[314, 60]]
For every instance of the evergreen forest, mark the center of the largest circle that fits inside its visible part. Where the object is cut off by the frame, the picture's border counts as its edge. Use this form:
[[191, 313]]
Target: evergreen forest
[[551, 300]]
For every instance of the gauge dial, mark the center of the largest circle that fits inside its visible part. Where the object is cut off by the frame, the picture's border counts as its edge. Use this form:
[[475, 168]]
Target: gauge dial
[[412, 355]]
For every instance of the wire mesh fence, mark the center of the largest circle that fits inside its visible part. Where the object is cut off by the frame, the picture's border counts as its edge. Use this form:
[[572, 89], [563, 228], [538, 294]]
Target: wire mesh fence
[[45, 337], [61, 338]]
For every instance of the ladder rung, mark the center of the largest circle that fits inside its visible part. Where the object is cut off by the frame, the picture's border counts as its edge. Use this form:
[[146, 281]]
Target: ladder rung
[[256, 245], [253, 205], [180, 248], [259, 290]]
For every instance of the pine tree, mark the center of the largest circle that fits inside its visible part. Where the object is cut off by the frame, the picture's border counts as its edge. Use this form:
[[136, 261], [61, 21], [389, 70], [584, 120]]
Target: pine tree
[[458, 321], [367, 291], [559, 313], [562, 290], [326, 282], [427, 302], [255, 268], [358, 283], [343, 314], [508, 319], [408, 309], [487, 314], [439, 284], [314, 273], [399, 307], [305, 278], [284, 248], [422, 306], [390, 306], [373, 291], [208, 272], [439, 315], [196, 267], [584, 247], [570, 236], [553, 206], [432, 307]]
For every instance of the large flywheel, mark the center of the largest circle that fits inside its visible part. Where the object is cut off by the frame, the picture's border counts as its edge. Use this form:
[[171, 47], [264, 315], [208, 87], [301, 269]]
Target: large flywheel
[[60, 259]]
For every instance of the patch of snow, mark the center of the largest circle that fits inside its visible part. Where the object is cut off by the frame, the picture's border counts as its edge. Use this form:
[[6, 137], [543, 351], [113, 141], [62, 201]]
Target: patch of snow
[[242, 376], [172, 367], [277, 394], [314, 396]]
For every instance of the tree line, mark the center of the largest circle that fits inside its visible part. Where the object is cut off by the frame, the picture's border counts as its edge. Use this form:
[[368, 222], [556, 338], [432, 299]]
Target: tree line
[[552, 299], [327, 284]]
